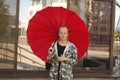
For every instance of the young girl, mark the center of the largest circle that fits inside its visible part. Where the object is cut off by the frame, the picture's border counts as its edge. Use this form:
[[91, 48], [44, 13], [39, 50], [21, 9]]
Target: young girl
[[63, 54]]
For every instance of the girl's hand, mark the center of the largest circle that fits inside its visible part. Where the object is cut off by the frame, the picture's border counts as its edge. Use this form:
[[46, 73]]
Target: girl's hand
[[50, 51], [62, 58]]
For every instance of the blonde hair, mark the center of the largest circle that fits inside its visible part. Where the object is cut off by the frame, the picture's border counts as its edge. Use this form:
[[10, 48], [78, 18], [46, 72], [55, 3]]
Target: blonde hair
[[63, 27]]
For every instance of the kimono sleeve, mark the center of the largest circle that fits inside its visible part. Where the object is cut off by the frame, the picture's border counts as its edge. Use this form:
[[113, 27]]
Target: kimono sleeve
[[73, 59], [51, 58]]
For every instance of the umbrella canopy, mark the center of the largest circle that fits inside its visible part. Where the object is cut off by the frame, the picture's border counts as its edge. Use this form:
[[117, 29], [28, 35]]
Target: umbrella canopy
[[43, 30]]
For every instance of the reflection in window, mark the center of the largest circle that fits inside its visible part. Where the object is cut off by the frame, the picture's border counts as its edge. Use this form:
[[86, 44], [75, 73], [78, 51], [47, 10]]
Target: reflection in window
[[97, 15], [100, 34], [103, 22], [26, 60], [117, 41], [7, 33]]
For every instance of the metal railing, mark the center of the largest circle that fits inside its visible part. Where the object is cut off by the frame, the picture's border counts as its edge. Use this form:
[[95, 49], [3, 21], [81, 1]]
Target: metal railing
[[6, 56], [20, 55]]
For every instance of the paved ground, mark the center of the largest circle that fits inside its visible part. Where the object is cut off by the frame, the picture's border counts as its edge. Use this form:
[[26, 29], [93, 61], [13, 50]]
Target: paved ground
[[74, 79]]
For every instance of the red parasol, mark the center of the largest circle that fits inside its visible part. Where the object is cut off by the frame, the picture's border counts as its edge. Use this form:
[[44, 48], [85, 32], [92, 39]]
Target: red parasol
[[43, 30]]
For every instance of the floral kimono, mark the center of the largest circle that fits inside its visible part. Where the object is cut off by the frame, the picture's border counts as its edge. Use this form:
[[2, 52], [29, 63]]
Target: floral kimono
[[65, 71]]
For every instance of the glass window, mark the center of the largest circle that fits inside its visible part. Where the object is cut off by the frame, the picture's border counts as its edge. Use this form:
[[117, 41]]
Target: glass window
[[99, 29], [7, 33], [117, 39], [97, 15], [26, 60]]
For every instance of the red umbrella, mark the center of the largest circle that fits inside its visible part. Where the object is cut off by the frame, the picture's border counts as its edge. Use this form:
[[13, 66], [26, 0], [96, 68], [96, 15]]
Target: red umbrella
[[43, 30]]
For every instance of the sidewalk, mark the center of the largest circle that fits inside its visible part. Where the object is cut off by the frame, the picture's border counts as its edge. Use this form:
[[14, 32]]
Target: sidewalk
[[74, 79]]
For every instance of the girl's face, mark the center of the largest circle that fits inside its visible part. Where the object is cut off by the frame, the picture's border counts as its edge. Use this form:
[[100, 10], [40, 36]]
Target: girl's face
[[63, 33]]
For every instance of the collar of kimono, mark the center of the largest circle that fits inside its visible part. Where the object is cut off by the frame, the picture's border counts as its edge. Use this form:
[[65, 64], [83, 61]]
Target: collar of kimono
[[64, 50]]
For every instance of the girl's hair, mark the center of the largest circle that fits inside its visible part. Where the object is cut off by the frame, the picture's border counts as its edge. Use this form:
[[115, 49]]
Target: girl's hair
[[63, 27]]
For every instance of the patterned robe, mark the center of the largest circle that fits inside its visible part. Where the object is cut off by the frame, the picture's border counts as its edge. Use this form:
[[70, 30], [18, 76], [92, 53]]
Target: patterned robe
[[65, 72]]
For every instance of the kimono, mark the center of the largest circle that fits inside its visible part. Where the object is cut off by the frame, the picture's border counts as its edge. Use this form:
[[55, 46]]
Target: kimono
[[65, 71]]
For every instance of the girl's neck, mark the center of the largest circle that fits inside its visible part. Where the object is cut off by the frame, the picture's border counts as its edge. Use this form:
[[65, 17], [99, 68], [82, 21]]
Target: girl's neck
[[63, 43]]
